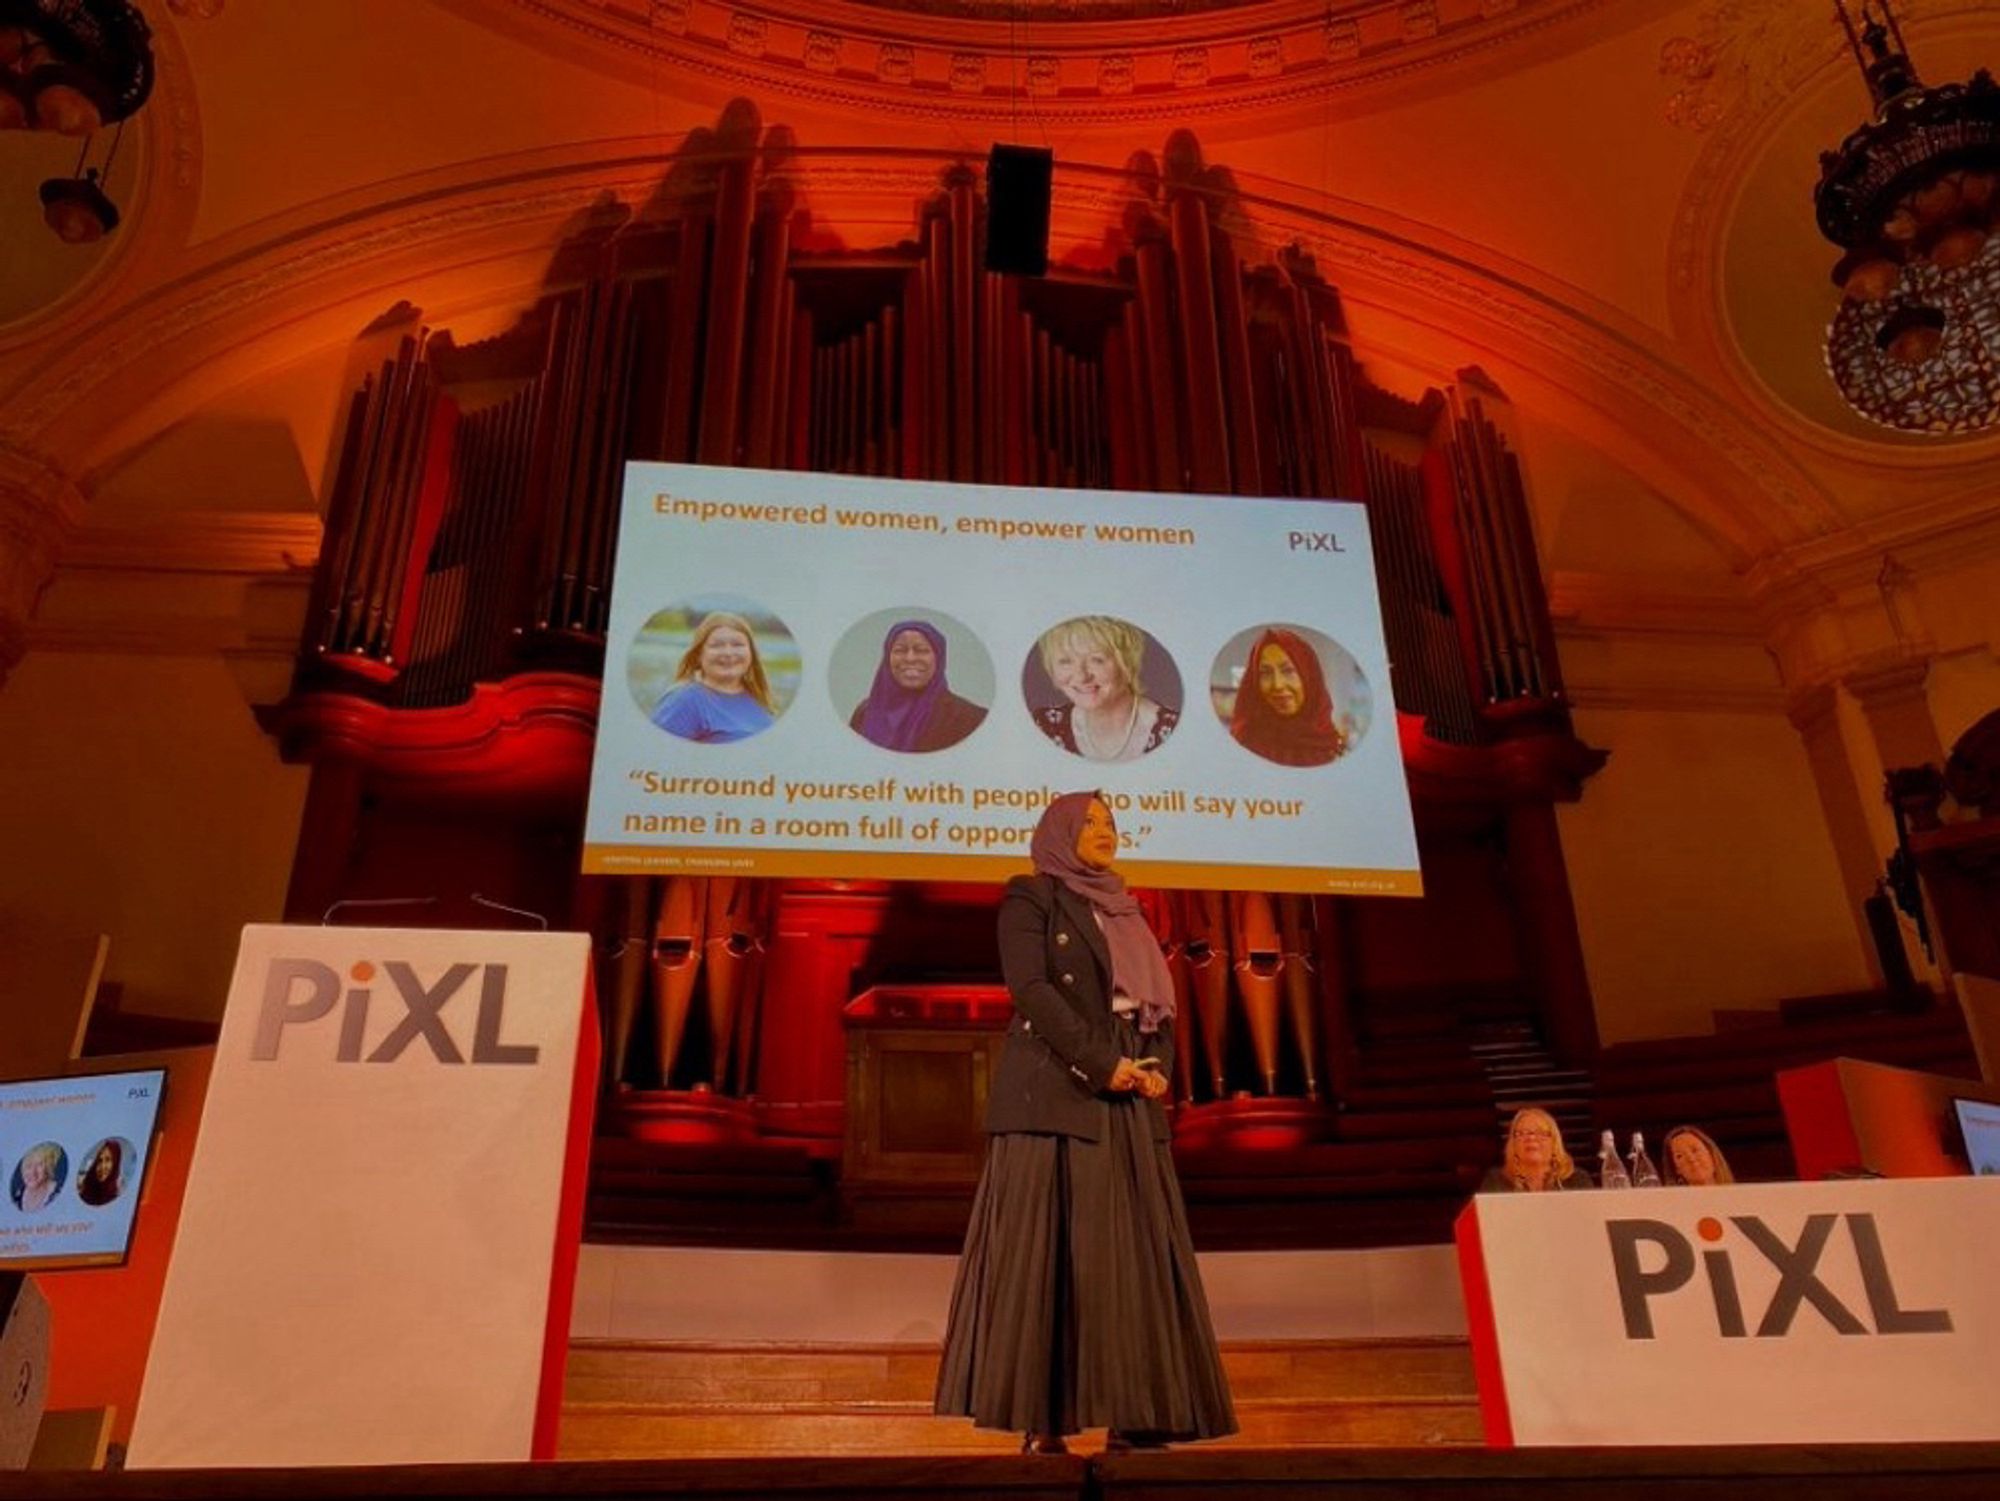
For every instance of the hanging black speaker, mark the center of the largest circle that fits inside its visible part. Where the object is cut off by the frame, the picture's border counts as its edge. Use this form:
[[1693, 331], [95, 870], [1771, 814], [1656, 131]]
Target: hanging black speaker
[[1017, 209]]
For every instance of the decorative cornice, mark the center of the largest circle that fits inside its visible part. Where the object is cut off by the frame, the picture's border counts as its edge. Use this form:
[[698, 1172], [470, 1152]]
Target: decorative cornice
[[1952, 532], [1613, 604], [1678, 698], [1889, 682], [162, 636], [1080, 62], [1691, 645], [197, 541], [246, 578]]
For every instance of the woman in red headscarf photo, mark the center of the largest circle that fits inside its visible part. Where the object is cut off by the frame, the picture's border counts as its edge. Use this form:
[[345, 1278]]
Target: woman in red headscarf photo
[[1078, 1302], [1284, 709]]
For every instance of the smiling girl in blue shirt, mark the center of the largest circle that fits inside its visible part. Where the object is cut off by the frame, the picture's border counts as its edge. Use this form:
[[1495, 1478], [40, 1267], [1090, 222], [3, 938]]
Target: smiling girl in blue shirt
[[720, 692]]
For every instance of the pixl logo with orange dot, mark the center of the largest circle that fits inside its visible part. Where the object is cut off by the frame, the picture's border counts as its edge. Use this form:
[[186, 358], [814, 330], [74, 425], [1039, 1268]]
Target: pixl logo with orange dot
[[1670, 1265], [301, 992]]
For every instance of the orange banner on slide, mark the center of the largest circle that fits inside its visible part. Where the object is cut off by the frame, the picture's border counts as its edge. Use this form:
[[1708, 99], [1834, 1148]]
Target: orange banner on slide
[[640, 859]]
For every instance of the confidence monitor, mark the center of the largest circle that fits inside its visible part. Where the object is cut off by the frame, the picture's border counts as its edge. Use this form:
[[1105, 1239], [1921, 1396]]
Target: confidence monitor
[[1979, 1125], [73, 1158]]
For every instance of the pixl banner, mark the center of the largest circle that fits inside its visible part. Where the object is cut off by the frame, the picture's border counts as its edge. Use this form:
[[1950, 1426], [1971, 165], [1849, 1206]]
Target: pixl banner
[[1788, 1313], [376, 1252]]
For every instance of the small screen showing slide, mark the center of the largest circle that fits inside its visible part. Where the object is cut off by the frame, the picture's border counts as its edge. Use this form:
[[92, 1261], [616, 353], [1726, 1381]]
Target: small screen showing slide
[[73, 1156], [820, 675], [1979, 1123]]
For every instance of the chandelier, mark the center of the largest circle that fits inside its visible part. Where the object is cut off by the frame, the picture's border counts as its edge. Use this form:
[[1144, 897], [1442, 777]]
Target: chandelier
[[1913, 199], [74, 66]]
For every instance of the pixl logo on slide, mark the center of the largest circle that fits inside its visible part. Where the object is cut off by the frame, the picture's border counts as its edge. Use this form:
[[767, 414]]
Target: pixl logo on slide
[[1313, 542], [1797, 1266], [300, 992]]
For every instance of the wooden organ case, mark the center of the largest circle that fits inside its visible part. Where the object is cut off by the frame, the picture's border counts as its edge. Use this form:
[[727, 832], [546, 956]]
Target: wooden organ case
[[447, 683]]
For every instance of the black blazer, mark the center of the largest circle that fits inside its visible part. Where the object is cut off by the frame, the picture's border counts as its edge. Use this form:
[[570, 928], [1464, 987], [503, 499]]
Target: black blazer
[[1061, 1050]]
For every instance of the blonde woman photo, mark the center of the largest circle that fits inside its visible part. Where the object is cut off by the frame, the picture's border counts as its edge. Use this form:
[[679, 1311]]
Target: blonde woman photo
[[38, 1177], [1101, 668]]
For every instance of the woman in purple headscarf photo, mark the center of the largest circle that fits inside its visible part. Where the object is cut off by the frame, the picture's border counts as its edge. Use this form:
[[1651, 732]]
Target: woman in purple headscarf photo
[[910, 706], [1078, 1303]]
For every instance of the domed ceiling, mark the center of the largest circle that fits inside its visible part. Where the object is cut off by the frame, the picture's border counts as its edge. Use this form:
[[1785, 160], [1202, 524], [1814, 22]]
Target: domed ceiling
[[1075, 59], [1766, 86]]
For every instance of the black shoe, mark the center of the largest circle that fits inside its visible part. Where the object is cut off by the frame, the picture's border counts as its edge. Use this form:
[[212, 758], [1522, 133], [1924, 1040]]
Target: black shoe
[[1043, 1443]]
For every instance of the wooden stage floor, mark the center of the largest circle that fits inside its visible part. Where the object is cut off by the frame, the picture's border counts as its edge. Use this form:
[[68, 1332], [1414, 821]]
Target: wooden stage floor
[[640, 1400], [1831, 1473], [1356, 1420]]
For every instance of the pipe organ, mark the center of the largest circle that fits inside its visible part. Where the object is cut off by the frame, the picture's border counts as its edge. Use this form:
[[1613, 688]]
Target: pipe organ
[[446, 680]]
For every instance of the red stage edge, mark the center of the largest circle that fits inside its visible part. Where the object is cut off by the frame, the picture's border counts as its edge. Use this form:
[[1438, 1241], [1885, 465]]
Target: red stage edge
[[1493, 1414], [569, 1227]]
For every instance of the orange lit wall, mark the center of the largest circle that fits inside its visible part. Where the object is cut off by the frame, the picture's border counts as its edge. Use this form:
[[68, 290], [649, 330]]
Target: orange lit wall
[[156, 810], [1702, 872]]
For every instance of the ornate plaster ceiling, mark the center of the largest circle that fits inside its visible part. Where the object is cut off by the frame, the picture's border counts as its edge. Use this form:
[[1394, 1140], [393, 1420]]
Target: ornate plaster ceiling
[[1769, 85], [1072, 60]]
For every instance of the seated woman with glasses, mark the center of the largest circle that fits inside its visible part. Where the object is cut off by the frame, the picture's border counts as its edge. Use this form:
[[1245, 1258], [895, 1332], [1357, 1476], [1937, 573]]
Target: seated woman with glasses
[[1535, 1161]]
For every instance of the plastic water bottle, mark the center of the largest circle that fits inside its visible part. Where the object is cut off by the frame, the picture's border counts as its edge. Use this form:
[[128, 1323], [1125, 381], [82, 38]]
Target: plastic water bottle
[[1610, 1171], [1644, 1174]]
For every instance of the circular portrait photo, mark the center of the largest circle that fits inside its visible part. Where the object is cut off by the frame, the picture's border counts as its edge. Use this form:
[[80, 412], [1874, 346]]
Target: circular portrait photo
[[102, 1176], [911, 680], [1102, 688], [38, 1177], [713, 668], [1290, 694]]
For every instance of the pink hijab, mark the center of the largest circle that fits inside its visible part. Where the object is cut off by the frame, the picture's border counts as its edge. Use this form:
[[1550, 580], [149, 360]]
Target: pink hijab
[[1137, 966]]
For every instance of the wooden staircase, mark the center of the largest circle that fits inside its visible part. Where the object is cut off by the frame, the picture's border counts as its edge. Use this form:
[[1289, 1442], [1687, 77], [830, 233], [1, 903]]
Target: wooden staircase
[[1523, 1072], [649, 1400]]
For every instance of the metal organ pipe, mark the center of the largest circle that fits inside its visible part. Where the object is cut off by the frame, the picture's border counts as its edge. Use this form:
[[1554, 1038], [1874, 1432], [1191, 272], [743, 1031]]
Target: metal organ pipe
[[728, 295], [1201, 348]]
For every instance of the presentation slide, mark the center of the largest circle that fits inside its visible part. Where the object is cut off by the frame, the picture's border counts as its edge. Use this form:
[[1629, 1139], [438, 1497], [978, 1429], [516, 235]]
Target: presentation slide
[[73, 1156], [821, 675]]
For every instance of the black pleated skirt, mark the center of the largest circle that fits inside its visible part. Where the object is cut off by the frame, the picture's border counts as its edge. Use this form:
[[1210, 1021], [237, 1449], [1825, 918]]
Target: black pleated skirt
[[1078, 1303]]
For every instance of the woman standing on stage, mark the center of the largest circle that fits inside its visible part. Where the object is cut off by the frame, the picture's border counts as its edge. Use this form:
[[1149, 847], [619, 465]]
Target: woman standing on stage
[[1078, 1302]]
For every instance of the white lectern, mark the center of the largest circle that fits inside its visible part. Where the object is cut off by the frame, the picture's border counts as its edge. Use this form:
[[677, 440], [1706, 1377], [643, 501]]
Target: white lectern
[[377, 1251]]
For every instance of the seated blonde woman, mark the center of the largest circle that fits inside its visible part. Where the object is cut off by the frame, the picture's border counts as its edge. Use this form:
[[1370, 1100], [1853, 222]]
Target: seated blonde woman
[[1535, 1161], [1690, 1158]]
